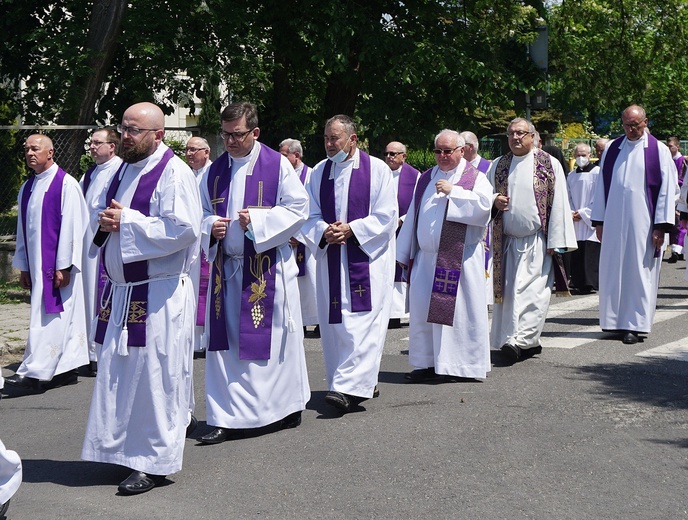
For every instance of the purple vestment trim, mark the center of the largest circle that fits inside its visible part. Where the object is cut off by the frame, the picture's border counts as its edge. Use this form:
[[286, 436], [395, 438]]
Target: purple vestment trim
[[202, 290], [137, 312], [450, 260], [484, 165], [259, 269], [680, 163], [407, 184], [51, 222], [358, 260], [653, 174], [301, 248], [88, 177]]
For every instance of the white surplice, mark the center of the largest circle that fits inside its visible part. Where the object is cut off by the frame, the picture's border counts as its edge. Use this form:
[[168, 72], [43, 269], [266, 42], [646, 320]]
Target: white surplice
[[140, 406], [527, 268], [581, 186], [463, 349], [95, 201], [309, 299], [252, 393], [57, 342], [629, 271], [10, 472], [400, 301], [353, 348]]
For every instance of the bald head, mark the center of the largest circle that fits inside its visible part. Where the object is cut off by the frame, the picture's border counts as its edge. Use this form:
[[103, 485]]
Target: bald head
[[634, 122], [395, 155], [39, 151], [143, 127]]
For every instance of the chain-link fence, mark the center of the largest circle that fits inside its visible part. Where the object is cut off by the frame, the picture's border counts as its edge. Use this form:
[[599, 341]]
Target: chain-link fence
[[70, 153]]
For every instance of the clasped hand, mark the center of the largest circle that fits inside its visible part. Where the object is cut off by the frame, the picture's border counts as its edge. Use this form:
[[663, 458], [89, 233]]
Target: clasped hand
[[337, 233]]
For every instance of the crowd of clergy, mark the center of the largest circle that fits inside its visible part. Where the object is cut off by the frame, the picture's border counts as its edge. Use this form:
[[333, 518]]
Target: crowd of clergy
[[150, 260]]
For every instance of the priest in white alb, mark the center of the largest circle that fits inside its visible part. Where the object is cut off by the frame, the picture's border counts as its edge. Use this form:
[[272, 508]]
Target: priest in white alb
[[351, 231], [149, 233], [253, 202], [531, 228], [442, 239], [634, 206], [50, 230], [103, 148]]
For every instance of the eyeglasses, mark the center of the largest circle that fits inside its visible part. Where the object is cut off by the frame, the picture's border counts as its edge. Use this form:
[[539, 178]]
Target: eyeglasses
[[444, 151], [95, 144], [132, 130], [518, 134], [235, 136], [190, 149], [392, 154]]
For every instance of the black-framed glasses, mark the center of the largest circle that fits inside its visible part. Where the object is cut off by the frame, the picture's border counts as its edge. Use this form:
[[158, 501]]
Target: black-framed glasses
[[444, 151], [235, 136], [518, 134], [392, 154], [191, 149], [132, 130]]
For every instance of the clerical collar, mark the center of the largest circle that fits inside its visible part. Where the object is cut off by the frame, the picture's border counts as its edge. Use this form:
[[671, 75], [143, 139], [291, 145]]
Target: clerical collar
[[49, 171]]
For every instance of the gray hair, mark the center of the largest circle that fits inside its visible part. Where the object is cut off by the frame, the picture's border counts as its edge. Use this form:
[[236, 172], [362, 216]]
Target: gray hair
[[585, 147], [531, 126], [458, 139], [346, 121], [293, 145], [470, 138]]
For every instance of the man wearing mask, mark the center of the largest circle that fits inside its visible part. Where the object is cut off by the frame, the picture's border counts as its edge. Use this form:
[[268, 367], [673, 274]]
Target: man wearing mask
[[581, 184], [351, 230]]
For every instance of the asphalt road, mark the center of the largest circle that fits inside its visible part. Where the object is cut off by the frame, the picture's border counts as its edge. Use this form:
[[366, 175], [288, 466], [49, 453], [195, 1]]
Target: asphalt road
[[587, 430]]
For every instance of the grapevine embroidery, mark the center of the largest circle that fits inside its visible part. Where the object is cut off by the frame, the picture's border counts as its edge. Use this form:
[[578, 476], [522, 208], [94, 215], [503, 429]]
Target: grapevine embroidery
[[258, 288]]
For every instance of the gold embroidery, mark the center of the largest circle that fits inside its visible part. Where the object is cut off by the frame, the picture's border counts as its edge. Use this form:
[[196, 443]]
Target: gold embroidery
[[258, 269], [137, 312]]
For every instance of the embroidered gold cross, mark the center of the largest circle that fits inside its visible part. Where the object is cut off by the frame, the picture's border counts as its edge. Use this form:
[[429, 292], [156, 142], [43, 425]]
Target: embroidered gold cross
[[335, 302], [300, 257], [360, 291]]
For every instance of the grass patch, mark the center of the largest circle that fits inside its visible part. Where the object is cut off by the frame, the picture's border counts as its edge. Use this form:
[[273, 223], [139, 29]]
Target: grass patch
[[12, 292]]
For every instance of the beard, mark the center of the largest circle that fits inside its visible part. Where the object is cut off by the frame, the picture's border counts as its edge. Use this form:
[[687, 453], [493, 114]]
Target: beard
[[138, 152]]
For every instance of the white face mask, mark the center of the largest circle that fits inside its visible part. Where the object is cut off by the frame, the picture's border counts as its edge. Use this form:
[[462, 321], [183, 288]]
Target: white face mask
[[582, 161], [339, 156]]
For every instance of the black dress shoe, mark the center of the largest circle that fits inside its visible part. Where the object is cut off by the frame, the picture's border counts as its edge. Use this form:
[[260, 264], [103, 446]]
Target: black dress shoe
[[291, 421], [220, 434], [459, 379], [421, 375], [630, 338], [139, 482], [673, 259], [92, 368], [192, 425], [70, 377], [26, 382], [376, 392], [511, 352], [339, 400]]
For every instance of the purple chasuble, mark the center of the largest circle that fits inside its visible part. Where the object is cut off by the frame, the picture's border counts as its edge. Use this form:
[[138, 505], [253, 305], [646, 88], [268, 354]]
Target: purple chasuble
[[88, 176], [137, 312], [358, 261], [301, 248], [484, 165], [259, 269], [51, 222], [653, 174], [407, 184]]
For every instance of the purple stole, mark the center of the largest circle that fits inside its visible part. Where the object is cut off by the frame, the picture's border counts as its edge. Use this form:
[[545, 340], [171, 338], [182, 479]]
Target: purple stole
[[407, 184], [484, 165], [358, 261], [259, 270], [543, 187], [301, 248], [202, 290], [680, 163], [450, 254], [137, 312], [87, 178], [51, 222], [653, 173]]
